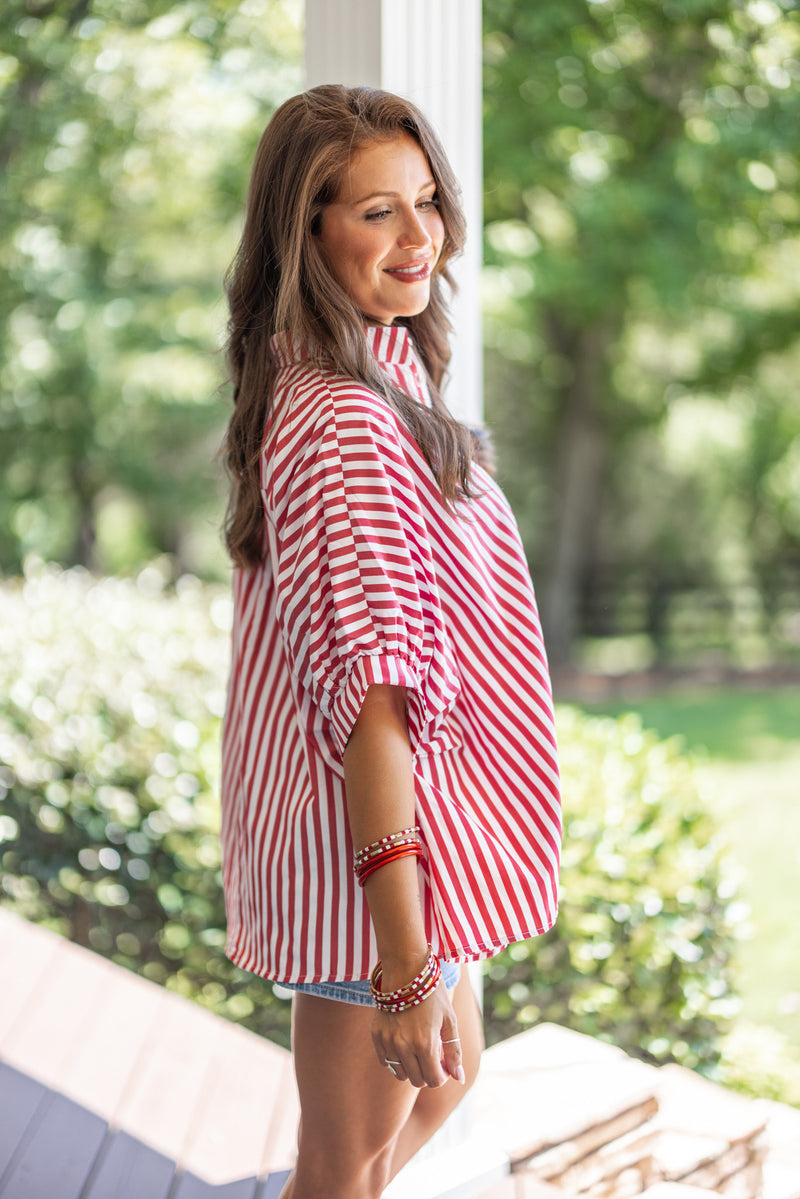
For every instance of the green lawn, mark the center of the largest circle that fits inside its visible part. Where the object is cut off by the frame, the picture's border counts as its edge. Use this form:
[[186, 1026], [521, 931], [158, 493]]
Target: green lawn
[[748, 746]]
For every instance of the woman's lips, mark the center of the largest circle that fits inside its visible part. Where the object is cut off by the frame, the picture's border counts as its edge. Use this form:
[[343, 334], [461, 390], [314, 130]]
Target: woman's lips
[[410, 272]]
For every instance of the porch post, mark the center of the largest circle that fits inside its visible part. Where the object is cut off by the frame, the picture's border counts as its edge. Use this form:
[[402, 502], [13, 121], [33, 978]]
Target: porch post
[[430, 52]]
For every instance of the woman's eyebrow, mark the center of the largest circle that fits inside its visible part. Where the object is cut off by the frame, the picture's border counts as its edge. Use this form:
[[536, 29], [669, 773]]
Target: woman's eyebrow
[[392, 195]]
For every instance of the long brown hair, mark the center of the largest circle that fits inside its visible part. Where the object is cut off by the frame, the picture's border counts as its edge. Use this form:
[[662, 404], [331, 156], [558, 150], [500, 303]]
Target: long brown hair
[[279, 280]]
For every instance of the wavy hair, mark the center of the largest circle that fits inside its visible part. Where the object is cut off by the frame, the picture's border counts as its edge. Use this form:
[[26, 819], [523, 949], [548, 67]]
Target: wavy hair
[[279, 280]]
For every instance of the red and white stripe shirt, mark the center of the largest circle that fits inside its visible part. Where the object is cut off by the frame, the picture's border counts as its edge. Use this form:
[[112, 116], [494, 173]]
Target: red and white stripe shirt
[[369, 579]]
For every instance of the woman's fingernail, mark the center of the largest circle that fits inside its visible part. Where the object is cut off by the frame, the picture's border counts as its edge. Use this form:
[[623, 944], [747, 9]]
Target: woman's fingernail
[[460, 1076]]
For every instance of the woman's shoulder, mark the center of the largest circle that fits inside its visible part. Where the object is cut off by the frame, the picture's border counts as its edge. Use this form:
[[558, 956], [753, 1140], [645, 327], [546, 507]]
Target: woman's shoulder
[[311, 400], [329, 426]]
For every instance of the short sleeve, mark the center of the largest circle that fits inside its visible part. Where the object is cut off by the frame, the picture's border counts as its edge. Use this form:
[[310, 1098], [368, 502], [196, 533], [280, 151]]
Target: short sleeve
[[357, 599]]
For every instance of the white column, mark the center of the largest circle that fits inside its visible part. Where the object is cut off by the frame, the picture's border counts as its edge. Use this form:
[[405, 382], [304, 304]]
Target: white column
[[430, 52]]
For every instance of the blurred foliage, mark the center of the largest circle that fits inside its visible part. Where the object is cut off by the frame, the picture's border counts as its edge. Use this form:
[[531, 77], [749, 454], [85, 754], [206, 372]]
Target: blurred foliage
[[112, 692], [126, 137], [761, 1062], [110, 697], [642, 950], [641, 291]]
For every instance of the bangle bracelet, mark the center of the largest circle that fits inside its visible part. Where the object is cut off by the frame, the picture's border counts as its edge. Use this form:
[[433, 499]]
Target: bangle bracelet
[[392, 854], [387, 849], [414, 993]]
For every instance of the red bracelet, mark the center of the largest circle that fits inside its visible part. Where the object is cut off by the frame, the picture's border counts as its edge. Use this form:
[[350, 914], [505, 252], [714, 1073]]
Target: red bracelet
[[387, 849], [392, 854]]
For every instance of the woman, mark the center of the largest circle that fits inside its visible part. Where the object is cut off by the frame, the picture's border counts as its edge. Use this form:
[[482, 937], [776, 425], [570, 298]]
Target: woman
[[390, 789]]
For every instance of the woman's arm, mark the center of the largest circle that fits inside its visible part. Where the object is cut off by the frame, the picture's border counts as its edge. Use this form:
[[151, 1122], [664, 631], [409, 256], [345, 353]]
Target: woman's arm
[[379, 784]]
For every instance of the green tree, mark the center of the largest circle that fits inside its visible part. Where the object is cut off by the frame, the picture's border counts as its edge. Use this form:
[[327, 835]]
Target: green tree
[[126, 139], [641, 228]]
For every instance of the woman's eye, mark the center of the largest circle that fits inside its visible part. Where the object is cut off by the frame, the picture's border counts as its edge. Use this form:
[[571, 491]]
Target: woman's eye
[[432, 202], [377, 216]]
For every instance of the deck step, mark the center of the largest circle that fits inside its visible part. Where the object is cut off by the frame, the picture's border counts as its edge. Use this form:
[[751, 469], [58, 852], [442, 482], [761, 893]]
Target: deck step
[[781, 1147], [554, 1096], [458, 1172], [676, 1190], [526, 1186], [111, 1085]]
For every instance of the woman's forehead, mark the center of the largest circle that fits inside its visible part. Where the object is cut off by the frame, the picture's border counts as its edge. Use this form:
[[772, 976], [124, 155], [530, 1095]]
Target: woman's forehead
[[385, 165]]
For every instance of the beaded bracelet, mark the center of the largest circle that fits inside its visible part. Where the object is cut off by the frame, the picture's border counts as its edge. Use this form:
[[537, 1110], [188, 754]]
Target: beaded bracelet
[[416, 992], [406, 836]]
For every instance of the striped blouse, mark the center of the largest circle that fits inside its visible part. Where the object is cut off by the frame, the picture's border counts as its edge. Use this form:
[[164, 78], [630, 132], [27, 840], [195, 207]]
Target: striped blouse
[[368, 579]]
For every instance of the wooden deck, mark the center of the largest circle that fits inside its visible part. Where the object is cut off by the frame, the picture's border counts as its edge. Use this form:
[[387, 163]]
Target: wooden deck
[[113, 1088]]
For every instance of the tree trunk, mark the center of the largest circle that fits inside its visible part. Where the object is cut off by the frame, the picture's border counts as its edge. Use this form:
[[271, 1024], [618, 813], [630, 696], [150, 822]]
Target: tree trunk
[[581, 454], [83, 544]]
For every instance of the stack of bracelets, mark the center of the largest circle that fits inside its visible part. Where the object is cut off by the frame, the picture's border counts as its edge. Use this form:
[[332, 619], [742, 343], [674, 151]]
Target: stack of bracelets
[[406, 843], [416, 992]]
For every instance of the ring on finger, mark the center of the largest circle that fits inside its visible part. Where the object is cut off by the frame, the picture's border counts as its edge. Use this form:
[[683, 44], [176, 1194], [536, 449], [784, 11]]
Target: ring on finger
[[391, 1066], [454, 1041]]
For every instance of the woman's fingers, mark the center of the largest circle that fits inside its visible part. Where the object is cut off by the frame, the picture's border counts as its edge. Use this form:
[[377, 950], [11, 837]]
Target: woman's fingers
[[415, 1071], [420, 1067], [390, 1056], [396, 1068], [451, 1051]]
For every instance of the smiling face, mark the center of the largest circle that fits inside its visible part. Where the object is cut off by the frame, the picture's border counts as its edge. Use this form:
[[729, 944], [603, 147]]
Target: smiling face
[[382, 236]]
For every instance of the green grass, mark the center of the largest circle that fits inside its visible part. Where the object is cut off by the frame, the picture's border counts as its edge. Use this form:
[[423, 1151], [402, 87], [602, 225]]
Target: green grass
[[732, 726], [748, 747]]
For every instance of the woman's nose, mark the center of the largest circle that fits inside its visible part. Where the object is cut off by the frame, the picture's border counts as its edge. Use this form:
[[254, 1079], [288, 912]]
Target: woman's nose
[[413, 232]]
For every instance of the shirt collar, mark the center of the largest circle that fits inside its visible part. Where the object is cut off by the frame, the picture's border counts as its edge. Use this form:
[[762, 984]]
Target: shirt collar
[[391, 345]]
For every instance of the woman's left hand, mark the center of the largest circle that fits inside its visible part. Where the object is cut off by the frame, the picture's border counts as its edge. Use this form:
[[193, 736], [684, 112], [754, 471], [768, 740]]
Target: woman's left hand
[[420, 1044]]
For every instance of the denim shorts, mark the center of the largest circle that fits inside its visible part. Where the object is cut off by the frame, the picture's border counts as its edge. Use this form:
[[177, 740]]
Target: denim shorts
[[357, 991]]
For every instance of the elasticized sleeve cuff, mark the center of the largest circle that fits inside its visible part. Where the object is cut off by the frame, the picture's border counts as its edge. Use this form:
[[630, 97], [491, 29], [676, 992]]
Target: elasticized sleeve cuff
[[368, 669]]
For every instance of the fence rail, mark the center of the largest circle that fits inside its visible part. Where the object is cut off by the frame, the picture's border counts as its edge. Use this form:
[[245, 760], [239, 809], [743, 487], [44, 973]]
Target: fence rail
[[679, 616]]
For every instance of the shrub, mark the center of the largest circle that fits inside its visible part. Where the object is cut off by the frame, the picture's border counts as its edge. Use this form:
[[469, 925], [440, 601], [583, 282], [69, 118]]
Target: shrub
[[760, 1061], [111, 693], [641, 952]]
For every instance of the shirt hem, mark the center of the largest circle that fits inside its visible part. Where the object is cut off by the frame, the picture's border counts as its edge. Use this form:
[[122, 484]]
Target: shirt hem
[[463, 956]]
